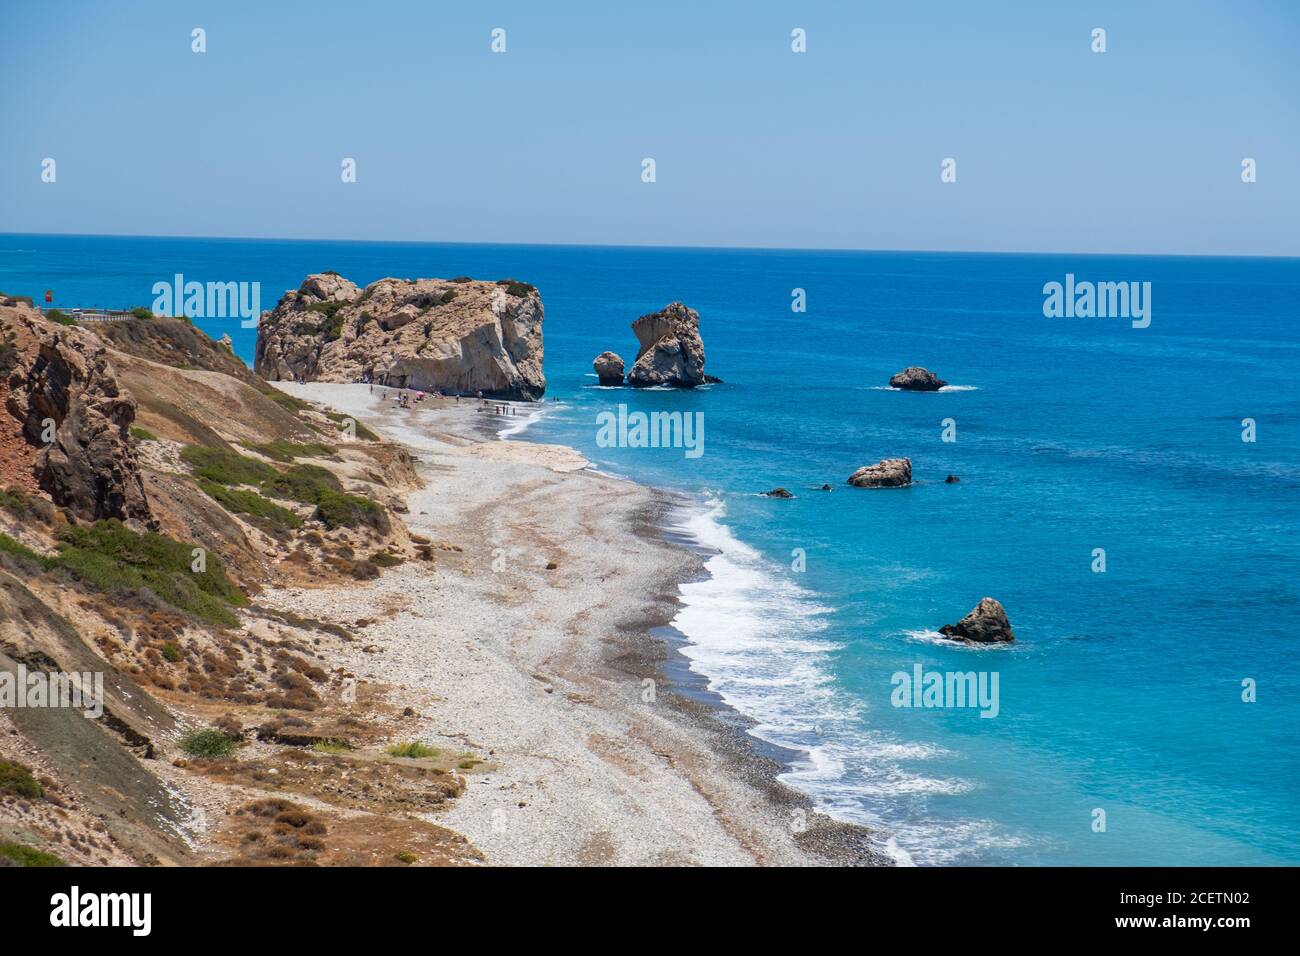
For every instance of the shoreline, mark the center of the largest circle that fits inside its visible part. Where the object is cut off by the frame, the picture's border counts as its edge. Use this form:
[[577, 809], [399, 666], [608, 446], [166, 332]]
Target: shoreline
[[713, 786]]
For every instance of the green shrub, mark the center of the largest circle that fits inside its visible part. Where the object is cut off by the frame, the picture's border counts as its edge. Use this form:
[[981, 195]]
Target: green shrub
[[305, 483], [331, 746], [361, 430], [7, 299], [461, 279], [516, 288], [16, 548], [250, 503], [140, 312], [337, 509], [413, 749], [108, 556], [226, 467], [54, 315], [286, 401], [405, 856], [18, 780], [386, 560], [171, 652], [282, 450], [143, 434], [207, 742], [26, 856], [333, 324]]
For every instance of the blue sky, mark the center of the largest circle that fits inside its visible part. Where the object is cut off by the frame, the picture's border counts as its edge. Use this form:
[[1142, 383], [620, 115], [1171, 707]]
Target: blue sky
[[1137, 150]]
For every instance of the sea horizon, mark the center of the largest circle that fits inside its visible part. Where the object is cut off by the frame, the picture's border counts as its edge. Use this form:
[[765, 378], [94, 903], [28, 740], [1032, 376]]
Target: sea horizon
[[658, 246]]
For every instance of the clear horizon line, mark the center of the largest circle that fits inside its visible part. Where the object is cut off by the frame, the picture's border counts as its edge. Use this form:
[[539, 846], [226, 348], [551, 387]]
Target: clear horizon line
[[667, 246]]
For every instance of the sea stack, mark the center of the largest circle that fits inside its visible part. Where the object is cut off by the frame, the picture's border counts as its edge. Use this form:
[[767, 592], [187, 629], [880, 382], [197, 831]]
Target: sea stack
[[917, 379], [986, 624], [889, 473], [609, 368], [453, 335], [671, 351]]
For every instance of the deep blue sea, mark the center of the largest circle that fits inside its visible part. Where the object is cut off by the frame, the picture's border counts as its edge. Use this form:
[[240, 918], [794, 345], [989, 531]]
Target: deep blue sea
[[1124, 690]]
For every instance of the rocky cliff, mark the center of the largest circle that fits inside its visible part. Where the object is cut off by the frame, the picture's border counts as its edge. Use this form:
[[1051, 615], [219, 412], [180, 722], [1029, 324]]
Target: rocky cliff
[[75, 416], [452, 335], [671, 350]]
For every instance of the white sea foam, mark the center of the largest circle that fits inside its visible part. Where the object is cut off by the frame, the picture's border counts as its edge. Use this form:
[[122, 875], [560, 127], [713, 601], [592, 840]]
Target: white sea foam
[[527, 421], [758, 639]]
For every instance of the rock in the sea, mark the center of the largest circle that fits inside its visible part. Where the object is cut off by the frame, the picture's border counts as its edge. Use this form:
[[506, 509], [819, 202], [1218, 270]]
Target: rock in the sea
[[777, 493], [951, 480], [986, 624], [889, 473], [452, 335], [671, 351], [917, 379], [609, 368], [827, 488], [88, 464]]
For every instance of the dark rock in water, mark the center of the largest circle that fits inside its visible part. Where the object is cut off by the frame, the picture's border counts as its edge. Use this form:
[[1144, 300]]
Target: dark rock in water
[[671, 350], [712, 380], [777, 493], [986, 624], [827, 488], [917, 379], [609, 368], [889, 473], [951, 480]]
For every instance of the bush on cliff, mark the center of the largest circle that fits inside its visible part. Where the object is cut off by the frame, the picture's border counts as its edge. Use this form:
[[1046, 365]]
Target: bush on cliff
[[281, 450], [263, 513], [207, 742], [25, 856], [312, 484], [226, 467], [516, 288], [108, 556], [18, 780]]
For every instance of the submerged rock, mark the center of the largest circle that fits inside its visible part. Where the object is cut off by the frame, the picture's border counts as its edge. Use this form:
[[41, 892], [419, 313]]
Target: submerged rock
[[671, 350], [609, 368], [889, 473], [827, 488], [777, 493], [986, 624], [951, 480], [917, 379]]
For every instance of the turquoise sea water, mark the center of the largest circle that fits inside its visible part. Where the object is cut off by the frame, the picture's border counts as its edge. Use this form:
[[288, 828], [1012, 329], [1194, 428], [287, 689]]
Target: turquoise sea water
[[1123, 692]]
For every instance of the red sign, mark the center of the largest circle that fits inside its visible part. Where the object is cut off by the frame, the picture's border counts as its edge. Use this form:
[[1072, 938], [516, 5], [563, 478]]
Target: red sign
[[49, 295]]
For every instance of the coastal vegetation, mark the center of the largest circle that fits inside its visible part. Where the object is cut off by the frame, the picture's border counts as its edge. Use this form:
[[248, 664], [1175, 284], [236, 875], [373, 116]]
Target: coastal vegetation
[[17, 780], [55, 315], [21, 855], [412, 749], [107, 556], [207, 742]]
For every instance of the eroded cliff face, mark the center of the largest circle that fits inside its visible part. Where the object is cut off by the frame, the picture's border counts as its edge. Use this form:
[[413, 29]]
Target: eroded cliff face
[[64, 392], [452, 335]]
